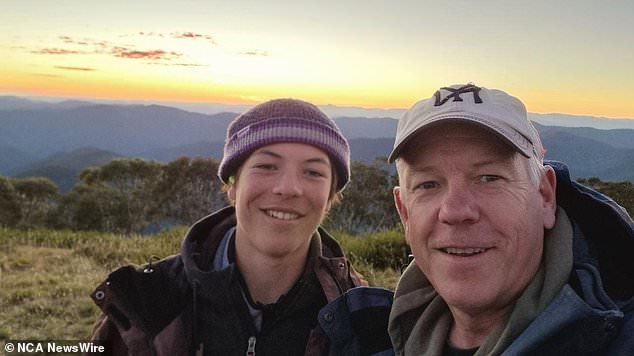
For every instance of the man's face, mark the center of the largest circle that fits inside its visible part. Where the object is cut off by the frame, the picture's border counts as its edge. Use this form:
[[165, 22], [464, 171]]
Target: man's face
[[473, 218], [281, 197]]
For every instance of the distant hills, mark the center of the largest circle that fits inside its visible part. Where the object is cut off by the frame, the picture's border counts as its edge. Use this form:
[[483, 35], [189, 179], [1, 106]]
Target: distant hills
[[550, 119], [127, 130], [581, 121], [64, 168], [58, 140]]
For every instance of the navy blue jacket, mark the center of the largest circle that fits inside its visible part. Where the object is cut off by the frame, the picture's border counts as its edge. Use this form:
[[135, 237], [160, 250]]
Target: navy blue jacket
[[594, 313]]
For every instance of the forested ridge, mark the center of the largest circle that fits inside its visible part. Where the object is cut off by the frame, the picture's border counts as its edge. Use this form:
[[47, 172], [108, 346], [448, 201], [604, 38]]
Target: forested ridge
[[133, 195]]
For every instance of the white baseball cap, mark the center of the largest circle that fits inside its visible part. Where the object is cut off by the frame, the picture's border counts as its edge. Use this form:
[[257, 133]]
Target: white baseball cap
[[493, 109]]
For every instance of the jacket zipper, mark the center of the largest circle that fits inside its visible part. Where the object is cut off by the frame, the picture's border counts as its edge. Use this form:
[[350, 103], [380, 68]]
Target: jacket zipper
[[251, 346], [199, 351]]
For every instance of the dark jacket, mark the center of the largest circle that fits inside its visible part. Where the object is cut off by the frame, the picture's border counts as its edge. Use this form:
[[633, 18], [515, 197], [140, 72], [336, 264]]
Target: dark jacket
[[180, 305], [593, 314]]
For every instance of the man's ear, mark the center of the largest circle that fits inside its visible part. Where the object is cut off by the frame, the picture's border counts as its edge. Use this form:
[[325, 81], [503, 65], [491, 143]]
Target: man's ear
[[548, 191], [400, 206]]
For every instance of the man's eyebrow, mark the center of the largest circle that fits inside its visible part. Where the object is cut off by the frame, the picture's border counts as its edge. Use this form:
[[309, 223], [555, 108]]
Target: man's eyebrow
[[422, 169], [476, 164], [491, 162], [416, 169]]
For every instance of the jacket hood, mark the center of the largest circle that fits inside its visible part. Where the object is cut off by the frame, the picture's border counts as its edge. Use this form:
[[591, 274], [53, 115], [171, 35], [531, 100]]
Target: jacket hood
[[608, 232], [202, 240]]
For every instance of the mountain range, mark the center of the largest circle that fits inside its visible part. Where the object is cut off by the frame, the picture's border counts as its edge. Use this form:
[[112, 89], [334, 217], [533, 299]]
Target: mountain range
[[58, 140], [549, 119]]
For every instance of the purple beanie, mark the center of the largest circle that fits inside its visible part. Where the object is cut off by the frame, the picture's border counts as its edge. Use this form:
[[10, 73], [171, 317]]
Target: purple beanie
[[284, 120]]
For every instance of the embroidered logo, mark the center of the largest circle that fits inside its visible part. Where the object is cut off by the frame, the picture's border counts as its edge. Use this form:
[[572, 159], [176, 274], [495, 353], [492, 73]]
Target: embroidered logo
[[455, 94]]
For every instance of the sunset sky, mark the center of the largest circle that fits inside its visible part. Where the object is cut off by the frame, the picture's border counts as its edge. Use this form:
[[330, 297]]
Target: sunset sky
[[574, 57]]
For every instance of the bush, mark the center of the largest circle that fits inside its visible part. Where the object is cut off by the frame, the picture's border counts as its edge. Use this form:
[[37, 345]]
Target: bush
[[382, 250]]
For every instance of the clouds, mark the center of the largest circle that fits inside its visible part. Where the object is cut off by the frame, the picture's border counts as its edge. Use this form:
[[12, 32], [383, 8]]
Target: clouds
[[55, 51], [255, 53], [81, 69], [191, 35], [70, 46], [157, 54], [179, 49], [188, 35]]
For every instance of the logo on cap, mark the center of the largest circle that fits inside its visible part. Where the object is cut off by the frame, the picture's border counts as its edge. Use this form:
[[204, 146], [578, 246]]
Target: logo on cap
[[455, 94]]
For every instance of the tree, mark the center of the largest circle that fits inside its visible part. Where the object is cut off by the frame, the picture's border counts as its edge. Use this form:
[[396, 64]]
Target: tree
[[36, 197], [116, 197], [621, 192], [9, 207], [189, 189], [88, 207], [367, 203]]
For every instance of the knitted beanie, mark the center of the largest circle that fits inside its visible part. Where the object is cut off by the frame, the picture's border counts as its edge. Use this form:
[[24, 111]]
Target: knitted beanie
[[284, 120]]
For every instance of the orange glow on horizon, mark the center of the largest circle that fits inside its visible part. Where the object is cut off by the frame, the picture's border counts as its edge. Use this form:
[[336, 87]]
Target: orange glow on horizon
[[73, 83], [618, 107], [54, 85], [79, 89]]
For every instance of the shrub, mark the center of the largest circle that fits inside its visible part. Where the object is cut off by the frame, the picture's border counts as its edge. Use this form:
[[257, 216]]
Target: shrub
[[382, 250]]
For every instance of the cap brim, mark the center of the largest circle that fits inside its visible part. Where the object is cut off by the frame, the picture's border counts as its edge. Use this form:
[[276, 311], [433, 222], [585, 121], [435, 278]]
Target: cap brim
[[396, 151]]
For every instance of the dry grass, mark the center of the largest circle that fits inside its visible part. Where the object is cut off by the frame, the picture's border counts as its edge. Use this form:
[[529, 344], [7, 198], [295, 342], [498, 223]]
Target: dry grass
[[44, 293], [46, 276]]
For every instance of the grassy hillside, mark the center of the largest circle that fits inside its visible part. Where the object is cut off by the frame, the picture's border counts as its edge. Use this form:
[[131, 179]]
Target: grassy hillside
[[46, 276]]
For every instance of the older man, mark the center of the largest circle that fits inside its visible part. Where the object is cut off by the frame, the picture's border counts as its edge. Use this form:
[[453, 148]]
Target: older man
[[511, 256]]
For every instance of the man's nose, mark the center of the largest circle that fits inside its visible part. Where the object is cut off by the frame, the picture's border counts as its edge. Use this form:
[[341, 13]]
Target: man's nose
[[459, 205], [289, 184]]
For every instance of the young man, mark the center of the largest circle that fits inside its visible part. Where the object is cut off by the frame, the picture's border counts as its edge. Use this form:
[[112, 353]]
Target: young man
[[511, 257], [261, 276]]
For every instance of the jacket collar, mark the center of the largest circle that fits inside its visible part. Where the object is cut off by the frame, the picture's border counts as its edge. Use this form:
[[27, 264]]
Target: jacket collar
[[203, 238]]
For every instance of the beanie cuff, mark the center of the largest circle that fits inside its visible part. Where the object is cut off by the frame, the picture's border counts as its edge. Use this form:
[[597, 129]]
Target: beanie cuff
[[286, 129]]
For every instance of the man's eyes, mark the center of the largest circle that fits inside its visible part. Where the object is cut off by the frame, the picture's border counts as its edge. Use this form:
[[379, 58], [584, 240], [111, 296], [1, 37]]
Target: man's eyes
[[484, 178], [488, 178], [427, 185]]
